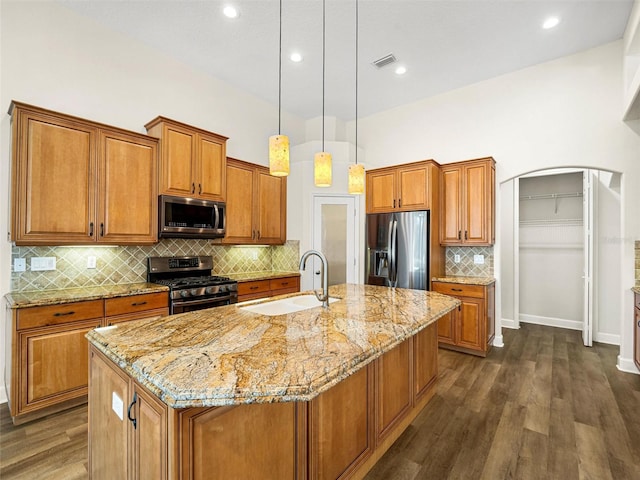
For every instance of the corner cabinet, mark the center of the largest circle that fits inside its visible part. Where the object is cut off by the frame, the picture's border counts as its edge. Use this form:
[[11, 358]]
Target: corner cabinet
[[256, 205], [636, 330], [471, 327], [76, 182], [468, 202], [47, 358], [193, 160]]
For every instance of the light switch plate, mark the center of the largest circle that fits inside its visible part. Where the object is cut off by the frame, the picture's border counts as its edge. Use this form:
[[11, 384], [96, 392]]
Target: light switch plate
[[91, 261], [117, 405], [39, 264], [478, 259], [19, 265]]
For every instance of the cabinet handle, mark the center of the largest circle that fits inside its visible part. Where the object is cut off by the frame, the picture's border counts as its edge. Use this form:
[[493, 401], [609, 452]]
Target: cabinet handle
[[466, 235], [102, 229], [132, 419], [456, 289], [284, 284], [193, 188], [199, 188], [394, 203], [253, 234], [63, 314], [399, 203], [91, 229], [255, 287], [638, 323], [137, 304], [258, 234], [459, 234]]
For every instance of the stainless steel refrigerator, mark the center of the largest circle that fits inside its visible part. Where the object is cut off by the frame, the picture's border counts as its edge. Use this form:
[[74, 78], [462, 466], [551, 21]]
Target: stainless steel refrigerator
[[397, 249]]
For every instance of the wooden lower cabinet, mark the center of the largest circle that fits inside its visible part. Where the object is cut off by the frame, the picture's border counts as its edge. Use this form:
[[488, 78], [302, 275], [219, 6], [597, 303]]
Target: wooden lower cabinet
[[337, 435], [47, 358], [255, 289], [471, 327], [636, 337]]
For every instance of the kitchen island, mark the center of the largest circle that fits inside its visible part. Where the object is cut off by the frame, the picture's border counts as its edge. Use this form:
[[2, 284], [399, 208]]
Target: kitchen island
[[227, 393]]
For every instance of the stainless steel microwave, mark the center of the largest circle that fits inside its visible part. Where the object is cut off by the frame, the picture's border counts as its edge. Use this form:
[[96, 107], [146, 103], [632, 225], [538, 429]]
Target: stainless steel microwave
[[190, 217]]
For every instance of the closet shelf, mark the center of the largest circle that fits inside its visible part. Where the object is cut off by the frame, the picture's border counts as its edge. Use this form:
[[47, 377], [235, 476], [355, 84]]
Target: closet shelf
[[560, 222], [551, 196]]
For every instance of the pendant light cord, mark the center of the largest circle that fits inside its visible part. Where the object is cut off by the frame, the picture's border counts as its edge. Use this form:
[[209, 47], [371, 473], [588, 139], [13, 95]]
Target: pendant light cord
[[323, 58], [356, 82], [280, 71]]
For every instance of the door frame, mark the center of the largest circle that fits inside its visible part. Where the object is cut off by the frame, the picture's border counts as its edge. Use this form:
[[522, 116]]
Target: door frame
[[335, 200]]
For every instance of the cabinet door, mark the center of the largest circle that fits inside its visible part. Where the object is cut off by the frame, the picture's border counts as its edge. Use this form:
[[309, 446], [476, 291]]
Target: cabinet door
[[128, 208], [470, 331], [412, 188], [271, 208], [477, 202], [240, 200], [108, 424], [54, 187], [637, 336], [394, 389], [53, 364], [446, 327], [425, 357], [451, 215], [178, 158], [211, 168], [340, 427], [148, 455], [381, 191]]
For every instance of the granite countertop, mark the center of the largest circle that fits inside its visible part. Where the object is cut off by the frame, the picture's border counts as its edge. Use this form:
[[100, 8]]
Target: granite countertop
[[54, 297], [230, 356], [266, 275], [465, 280]]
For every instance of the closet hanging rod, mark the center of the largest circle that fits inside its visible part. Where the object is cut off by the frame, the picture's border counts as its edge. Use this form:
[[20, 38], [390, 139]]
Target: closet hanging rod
[[551, 195]]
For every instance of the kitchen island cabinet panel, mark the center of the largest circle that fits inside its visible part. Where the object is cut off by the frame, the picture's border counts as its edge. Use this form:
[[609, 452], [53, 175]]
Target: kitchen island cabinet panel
[[425, 361], [148, 456], [636, 330]]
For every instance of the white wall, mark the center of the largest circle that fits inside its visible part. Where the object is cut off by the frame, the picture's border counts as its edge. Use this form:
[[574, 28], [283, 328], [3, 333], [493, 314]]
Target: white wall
[[55, 59], [564, 113]]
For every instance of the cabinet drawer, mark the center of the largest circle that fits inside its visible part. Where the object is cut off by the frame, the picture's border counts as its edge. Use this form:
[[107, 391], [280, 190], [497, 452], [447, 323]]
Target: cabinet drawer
[[284, 283], [135, 303], [58, 314], [459, 290], [247, 288]]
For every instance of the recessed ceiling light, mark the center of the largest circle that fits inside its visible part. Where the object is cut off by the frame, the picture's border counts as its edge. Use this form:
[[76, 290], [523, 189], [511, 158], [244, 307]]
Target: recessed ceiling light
[[295, 57], [401, 70], [550, 23], [231, 11]]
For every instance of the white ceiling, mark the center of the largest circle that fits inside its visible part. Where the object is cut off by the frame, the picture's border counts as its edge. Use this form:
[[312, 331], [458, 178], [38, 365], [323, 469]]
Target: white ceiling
[[445, 44]]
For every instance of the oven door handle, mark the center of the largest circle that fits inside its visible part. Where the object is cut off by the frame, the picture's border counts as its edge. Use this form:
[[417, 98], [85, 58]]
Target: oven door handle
[[179, 303]]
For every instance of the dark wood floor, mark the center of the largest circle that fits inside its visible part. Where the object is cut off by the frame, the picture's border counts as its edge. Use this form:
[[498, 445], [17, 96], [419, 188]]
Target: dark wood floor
[[543, 407]]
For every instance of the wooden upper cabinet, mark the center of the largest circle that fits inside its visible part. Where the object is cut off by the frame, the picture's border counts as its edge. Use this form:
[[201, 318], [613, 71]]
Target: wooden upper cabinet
[[401, 188], [193, 160], [468, 203], [256, 205], [74, 180]]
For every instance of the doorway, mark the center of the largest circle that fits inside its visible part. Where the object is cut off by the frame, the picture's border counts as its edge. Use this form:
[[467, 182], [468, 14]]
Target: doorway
[[335, 234], [561, 252]]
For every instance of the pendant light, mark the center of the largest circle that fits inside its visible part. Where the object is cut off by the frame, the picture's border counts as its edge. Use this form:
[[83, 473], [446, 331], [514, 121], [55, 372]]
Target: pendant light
[[322, 160], [279, 144], [356, 172]]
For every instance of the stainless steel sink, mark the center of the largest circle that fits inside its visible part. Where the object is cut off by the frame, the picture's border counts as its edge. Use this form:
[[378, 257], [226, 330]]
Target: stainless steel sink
[[286, 305]]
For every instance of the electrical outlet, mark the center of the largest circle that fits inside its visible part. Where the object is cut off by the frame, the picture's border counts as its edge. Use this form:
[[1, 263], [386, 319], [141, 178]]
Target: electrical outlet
[[456, 258], [91, 261], [19, 265], [478, 259], [39, 264], [254, 255]]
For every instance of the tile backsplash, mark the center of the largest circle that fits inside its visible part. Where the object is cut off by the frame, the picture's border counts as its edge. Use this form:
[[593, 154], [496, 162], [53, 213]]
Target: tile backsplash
[[466, 266], [127, 264]]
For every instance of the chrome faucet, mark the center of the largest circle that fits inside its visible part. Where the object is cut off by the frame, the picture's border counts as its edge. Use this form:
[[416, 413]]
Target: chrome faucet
[[324, 297]]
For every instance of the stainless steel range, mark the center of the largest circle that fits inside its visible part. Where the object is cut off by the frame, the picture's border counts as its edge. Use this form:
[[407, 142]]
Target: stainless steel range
[[191, 285]]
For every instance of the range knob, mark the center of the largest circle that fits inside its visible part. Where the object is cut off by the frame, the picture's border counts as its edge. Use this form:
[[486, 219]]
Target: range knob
[[194, 292], [184, 293], [210, 290], [222, 288]]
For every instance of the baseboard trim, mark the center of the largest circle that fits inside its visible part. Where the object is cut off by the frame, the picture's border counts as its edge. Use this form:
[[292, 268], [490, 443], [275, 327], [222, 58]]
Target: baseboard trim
[[498, 341], [509, 323], [627, 365], [608, 338], [551, 321]]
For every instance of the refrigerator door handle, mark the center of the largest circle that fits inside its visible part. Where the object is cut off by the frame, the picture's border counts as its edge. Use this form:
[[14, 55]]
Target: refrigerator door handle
[[390, 252], [393, 275]]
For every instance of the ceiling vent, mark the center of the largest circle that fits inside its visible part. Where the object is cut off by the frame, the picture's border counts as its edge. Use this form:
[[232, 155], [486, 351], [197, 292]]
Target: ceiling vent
[[386, 60]]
